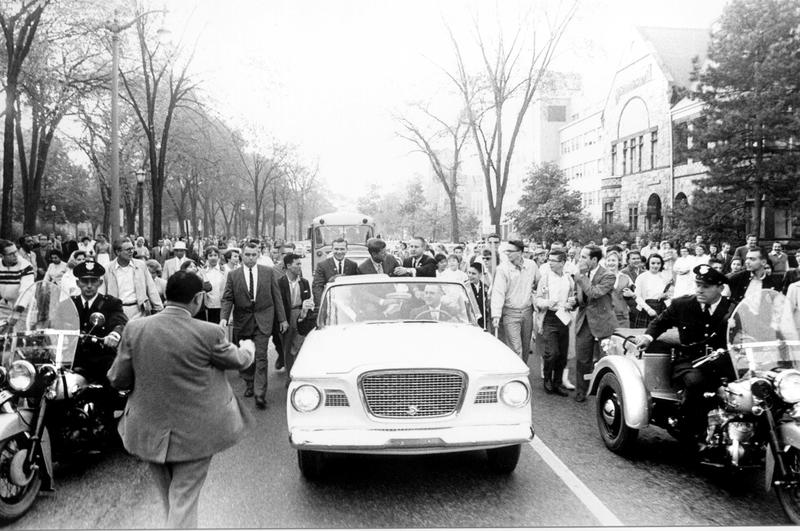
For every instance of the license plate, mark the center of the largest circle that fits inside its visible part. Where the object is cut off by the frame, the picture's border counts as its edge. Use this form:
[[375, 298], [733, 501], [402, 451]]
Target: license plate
[[5, 396]]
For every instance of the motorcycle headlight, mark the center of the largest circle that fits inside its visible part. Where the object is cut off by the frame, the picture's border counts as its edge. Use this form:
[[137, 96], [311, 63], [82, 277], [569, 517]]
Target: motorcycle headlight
[[21, 375], [514, 394], [787, 385], [306, 398]]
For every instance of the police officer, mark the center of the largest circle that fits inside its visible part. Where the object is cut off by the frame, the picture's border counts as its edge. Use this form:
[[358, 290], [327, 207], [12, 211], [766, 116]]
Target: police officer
[[701, 320], [93, 359]]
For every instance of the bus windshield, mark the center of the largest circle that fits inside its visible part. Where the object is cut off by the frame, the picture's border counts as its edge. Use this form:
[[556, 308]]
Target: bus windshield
[[354, 234]]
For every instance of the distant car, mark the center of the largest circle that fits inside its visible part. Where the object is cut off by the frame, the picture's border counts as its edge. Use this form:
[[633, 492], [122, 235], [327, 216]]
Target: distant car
[[385, 374]]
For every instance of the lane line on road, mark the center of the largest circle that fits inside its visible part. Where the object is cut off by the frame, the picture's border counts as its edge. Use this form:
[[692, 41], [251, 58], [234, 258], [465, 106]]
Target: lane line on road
[[586, 496]]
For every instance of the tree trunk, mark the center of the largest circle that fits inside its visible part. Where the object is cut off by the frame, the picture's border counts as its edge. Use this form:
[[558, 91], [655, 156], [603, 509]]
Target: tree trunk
[[285, 222], [274, 213], [8, 157], [155, 221], [454, 218]]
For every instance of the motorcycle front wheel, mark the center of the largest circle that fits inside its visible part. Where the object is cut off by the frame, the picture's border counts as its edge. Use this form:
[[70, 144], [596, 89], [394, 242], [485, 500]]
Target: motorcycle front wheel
[[789, 496], [15, 500]]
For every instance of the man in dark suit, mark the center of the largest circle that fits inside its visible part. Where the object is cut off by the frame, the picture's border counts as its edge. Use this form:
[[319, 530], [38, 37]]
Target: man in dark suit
[[702, 322], [418, 264], [754, 276], [379, 261], [331, 267], [181, 409], [296, 299], [92, 360], [160, 253], [252, 292], [433, 309], [596, 319]]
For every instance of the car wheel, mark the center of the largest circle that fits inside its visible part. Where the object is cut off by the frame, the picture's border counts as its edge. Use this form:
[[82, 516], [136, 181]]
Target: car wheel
[[616, 434], [504, 460], [311, 463]]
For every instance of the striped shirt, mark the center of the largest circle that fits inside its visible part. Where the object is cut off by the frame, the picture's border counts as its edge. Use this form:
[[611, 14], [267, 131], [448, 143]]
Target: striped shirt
[[15, 279]]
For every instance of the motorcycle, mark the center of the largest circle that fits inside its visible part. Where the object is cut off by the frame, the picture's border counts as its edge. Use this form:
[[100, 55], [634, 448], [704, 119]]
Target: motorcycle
[[753, 417], [48, 412]]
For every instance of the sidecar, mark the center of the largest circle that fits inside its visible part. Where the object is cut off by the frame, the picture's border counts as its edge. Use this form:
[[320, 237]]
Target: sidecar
[[633, 388]]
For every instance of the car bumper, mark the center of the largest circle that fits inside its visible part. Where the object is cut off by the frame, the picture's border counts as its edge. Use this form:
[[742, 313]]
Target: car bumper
[[414, 441]]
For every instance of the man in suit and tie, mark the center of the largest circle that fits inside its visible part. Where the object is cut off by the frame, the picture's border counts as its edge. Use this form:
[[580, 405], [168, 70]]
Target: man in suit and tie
[[174, 264], [252, 294], [297, 302], [596, 319], [181, 409], [160, 252], [92, 360], [331, 267], [433, 309], [418, 264], [379, 261], [702, 321]]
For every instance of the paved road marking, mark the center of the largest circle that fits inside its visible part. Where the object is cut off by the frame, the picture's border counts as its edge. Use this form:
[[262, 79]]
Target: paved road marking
[[586, 496]]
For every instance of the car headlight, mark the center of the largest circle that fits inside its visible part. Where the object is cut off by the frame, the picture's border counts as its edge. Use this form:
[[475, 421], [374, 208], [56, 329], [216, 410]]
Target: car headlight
[[21, 375], [787, 384], [306, 398], [515, 394]]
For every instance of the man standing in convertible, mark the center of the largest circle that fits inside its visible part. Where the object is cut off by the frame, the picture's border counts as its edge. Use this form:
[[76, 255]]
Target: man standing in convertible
[[702, 321]]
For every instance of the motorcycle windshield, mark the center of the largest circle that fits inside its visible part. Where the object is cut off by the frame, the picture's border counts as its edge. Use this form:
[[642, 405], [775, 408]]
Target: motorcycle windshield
[[45, 328], [764, 334]]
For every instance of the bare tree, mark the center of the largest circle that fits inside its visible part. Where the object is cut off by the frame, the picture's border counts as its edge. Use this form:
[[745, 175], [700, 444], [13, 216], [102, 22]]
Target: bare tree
[[427, 143], [19, 20], [155, 92], [504, 92], [301, 180]]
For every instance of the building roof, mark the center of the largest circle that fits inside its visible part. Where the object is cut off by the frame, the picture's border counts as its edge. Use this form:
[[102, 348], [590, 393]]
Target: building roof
[[676, 47]]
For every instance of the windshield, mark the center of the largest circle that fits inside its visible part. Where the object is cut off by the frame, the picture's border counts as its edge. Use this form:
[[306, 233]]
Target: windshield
[[354, 234], [763, 334], [46, 330], [396, 301]]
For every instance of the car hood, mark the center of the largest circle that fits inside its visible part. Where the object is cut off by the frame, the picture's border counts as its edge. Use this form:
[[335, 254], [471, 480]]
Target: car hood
[[343, 349]]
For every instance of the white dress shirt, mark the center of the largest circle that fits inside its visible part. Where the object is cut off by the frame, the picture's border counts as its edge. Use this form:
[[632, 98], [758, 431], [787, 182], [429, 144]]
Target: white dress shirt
[[246, 270]]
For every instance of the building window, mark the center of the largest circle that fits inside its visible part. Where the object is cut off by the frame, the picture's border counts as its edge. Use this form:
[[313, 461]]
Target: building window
[[653, 147], [641, 148], [633, 153], [680, 143], [613, 159], [633, 218], [624, 157], [608, 213]]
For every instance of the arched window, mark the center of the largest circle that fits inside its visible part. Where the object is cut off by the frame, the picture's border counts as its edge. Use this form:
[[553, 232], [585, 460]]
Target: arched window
[[681, 200], [653, 217]]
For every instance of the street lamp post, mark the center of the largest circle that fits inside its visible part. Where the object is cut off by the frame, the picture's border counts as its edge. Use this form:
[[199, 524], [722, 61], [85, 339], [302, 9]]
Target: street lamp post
[[242, 222], [140, 193], [115, 28], [53, 209]]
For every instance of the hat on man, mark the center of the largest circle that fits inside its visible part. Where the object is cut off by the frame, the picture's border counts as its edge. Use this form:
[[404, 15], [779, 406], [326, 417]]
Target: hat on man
[[708, 275], [518, 244], [179, 245], [88, 269]]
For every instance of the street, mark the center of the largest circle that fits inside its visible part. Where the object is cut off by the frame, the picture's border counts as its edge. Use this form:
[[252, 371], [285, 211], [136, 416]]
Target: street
[[566, 477]]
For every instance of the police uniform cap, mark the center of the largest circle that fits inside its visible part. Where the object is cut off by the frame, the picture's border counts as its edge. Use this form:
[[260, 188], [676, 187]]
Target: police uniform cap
[[708, 275], [89, 269]]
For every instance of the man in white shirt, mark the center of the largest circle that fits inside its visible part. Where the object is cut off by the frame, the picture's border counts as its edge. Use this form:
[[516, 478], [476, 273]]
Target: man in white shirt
[[129, 280], [512, 298]]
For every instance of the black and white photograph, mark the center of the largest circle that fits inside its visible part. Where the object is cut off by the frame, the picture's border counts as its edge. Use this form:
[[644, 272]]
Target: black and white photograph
[[383, 264]]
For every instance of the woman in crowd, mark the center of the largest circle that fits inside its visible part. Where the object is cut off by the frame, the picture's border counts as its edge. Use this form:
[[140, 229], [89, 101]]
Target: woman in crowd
[[102, 250], [154, 268], [56, 269], [682, 271], [669, 255], [232, 259], [140, 251], [621, 291], [652, 290], [441, 264]]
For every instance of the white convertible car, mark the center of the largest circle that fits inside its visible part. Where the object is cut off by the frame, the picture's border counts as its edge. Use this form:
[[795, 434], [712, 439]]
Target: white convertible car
[[400, 366]]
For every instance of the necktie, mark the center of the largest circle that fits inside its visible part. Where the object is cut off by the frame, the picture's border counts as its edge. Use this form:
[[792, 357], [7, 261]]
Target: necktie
[[414, 263], [707, 311], [339, 262], [86, 306], [250, 287]]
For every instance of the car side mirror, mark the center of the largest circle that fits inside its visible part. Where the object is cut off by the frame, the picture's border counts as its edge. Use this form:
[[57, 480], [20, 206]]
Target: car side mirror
[[97, 319]]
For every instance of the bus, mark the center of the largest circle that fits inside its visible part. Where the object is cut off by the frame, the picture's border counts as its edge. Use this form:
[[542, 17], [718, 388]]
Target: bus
[[354, 227]]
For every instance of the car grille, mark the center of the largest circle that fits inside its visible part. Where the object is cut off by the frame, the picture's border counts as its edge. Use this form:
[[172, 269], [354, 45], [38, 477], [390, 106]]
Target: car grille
[[413, 394], [487, 395], [336, 398]]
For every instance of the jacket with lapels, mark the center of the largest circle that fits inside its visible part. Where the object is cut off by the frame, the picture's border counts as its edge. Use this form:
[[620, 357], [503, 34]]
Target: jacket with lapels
[[247, 314]]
